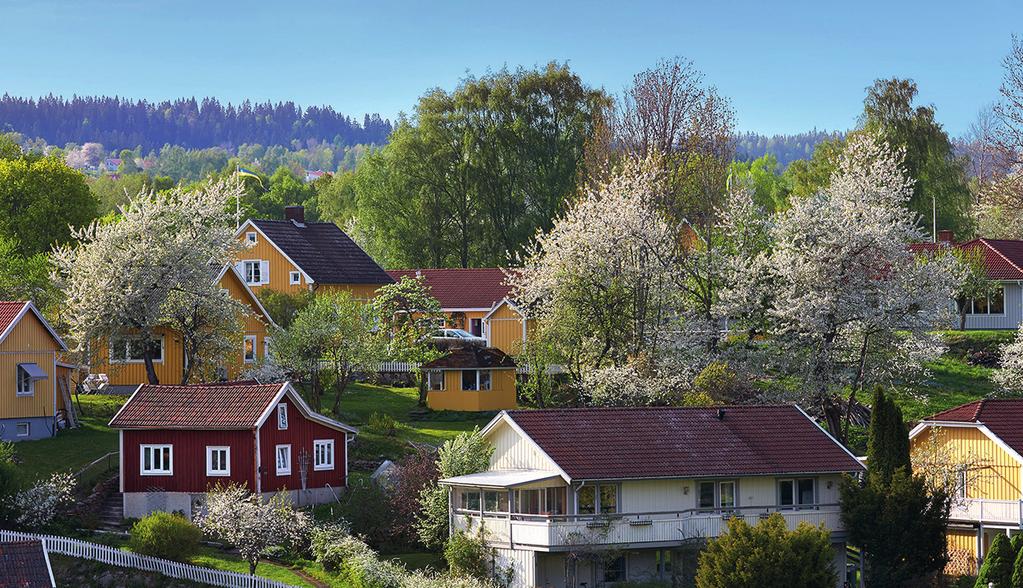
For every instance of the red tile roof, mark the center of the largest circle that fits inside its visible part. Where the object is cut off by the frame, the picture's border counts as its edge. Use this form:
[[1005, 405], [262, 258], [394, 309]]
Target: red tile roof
[[227, 406], [1002, 416], [462, 288], [472, 357], [8, 312], [629, 443], [23, 564], [1003, 258]]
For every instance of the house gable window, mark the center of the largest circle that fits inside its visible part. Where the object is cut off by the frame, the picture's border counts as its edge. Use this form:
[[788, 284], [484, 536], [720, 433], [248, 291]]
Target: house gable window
[[797, 492], [284, 460], [256, 271], [218, 461], [323, 454], [156, 460], [294, 278], [993, 303], [132, 350], [476, 379], [282, 416], [250, 237], [435, 380], [249, 349]]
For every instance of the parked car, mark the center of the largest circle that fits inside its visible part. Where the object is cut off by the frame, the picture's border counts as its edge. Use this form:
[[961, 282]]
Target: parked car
[[449, 337]]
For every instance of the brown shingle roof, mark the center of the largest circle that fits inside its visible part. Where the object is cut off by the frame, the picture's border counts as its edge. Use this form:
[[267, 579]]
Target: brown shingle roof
[[1002, 416], [629, 443], [462, 288], [23, 565], [228, 406], [472, 357], [324, 252]]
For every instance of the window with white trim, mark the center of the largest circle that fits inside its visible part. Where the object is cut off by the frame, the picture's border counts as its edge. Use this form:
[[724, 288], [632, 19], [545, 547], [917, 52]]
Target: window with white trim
[[282, 416], [253, 271], [249, 349], [284, 460], [476, 379], [156, 460], [434, 380], [26, 385], [250, 236], [294, 278], [132, 350], [797, 492], [323, 454], [218, 461], [992, 303], [23, 429]]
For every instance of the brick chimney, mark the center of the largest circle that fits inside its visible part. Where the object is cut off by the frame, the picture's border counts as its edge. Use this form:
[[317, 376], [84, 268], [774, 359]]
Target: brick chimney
[[946, 237], [295, 214]]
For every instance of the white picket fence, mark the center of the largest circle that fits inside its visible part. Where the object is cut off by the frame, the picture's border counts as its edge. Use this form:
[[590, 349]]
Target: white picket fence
[[127, 559]]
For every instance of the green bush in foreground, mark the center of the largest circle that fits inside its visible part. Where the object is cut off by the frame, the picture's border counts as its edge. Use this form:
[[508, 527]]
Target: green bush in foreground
[[166, 535]]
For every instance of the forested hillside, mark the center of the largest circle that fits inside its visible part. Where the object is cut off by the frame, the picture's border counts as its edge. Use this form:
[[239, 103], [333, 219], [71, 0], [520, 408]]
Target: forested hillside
[[123, 123], [784, 148]]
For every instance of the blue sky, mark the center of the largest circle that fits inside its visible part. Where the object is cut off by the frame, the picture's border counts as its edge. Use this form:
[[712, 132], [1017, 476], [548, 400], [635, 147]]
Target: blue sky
[[787, 66]]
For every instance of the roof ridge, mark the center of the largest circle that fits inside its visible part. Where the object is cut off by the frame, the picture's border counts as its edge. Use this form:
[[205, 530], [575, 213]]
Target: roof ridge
[[988, 244], [977, 409]]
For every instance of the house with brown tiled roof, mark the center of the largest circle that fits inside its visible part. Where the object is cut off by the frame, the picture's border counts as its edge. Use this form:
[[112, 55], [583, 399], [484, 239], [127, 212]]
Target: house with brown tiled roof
[[1003, 260], [477, 300], [177, 441], [598, 496], [25, 564], [292, 255], [35, 385], [981, 446]]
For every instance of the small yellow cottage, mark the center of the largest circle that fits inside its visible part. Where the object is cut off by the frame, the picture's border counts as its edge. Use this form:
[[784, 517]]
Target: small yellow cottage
[[35, 389], [982, 441], [471, 379], [121, 360]]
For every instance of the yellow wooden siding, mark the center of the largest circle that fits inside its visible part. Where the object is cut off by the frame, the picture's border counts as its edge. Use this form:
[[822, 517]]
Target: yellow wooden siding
[[962, 552], [280, 267], [501, 396], [504, 329], [28, 342], [358, 291], [998, 474]]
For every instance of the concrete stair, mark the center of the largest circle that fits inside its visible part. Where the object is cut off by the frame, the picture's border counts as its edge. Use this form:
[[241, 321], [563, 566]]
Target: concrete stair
[[112, 514]]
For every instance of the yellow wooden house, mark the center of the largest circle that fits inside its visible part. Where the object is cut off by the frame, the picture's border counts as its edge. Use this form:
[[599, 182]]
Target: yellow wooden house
[[35, 386], [293, 255], [121, 359], [508, 326], [471, 379], [979, 446]]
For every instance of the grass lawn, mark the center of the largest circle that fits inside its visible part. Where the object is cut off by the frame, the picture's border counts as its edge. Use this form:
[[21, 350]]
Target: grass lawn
[[214, 558], [952, 382], [73, 449]]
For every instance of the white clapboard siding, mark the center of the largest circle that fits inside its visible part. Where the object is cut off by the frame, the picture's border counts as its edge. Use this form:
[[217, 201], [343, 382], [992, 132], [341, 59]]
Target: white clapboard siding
[[127, 559]]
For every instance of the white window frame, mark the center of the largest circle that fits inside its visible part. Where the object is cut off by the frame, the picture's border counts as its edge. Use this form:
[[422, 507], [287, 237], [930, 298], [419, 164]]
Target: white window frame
[[250, 237], [286, 470], [123, 357], [210, 449], [245, 349], [489, 387], [294, 278], [971, 309], [28, 429], [282, 417], [258, 265], [327, 447], [157, 449], [19, 391], [430, 376], [796, 505], [266, 347]]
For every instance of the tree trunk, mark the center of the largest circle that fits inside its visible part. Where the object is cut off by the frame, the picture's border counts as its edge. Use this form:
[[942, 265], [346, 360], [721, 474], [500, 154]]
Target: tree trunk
[[189, 364], [342, 384], [252, 566], [147, 359], [422, 391]]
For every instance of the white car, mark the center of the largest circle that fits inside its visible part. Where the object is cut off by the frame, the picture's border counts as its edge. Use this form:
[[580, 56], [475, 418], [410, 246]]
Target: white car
[[456, 336]]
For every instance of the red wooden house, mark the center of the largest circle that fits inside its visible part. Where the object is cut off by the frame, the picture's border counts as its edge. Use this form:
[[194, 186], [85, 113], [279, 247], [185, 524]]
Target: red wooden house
[[178, 441]]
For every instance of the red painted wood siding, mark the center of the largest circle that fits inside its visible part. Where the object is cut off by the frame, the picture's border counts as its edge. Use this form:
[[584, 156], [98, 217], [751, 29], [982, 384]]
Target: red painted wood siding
[[301, 433], [189, 459]]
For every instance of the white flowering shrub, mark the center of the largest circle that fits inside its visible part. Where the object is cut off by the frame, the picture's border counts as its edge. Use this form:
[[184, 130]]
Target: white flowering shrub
[[1009, 375], [265, 371], [38, 506], [252, 524]]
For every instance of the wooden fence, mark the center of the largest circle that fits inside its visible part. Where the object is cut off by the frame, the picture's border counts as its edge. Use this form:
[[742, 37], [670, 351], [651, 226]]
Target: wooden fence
[[127, 559]]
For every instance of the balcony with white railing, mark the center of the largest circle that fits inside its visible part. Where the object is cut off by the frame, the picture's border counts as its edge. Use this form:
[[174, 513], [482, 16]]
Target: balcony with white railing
[[560, 532], [1006, 512]]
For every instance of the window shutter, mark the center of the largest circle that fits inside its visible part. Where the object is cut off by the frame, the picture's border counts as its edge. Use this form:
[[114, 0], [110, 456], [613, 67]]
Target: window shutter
[[264, 272]]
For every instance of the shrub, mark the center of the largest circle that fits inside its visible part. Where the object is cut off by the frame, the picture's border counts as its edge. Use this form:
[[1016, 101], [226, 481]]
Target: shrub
[[38, 506], [413, 473], [366, 508], [332, 546], [166, 535], [467, 555], [721, 383], [383, 424], [9, 482], [997, 567]]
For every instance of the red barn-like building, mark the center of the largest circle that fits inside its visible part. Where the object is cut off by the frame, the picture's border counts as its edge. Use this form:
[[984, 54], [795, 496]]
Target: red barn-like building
[[178, 441]]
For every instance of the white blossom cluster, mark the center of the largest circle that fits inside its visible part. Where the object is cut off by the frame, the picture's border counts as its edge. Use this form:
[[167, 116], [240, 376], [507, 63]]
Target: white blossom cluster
[[38, 506], [1009, 376]]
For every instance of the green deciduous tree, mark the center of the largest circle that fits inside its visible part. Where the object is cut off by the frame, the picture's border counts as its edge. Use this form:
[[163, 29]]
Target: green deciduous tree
[[468, 453], [26, 277], [767, 554]]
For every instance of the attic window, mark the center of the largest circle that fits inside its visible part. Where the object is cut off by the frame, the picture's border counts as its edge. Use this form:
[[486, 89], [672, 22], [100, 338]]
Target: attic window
[[282, 416], [250, 237], [294, 278]]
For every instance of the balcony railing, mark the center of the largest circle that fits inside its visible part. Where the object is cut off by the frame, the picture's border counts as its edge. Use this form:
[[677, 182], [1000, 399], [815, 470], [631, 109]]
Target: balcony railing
[[564, 531], [987, 511]]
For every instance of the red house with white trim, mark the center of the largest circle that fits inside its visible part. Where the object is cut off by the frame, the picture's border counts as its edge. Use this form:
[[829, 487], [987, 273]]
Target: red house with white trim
[[178, 441]]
